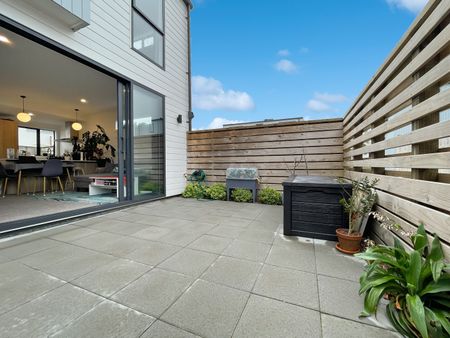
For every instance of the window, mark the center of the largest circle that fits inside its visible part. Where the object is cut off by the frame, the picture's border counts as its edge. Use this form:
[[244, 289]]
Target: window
[[148, 29], [148, 142], [33, 141]]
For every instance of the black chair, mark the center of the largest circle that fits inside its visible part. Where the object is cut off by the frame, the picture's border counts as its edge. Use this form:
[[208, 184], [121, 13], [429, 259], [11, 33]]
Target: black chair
[[53, 169], [4, 174]]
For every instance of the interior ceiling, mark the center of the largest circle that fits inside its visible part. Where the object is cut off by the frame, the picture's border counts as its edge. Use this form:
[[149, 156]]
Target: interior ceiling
[[52, 83]]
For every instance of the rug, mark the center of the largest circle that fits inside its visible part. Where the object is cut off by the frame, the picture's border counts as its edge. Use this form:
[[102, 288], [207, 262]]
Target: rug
[[78, 196]]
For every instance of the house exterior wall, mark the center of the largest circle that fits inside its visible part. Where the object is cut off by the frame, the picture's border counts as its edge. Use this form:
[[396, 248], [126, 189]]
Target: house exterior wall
[[107, 41]]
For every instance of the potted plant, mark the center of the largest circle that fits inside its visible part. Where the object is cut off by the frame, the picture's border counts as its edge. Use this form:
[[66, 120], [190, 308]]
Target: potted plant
[[96, 143], [416, 284], [357, 205], [76, 150]]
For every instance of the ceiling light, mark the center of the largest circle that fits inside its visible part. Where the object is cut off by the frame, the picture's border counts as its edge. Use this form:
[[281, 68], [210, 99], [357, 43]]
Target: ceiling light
[[83, 101], [77, 125], [31, 114], [4, 39], [22, 116]]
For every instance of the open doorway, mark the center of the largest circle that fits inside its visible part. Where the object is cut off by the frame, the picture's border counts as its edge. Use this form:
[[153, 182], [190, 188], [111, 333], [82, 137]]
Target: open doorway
[[58, 132]]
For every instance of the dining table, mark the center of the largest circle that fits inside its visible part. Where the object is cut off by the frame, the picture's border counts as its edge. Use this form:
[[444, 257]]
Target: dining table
[[18, 168]]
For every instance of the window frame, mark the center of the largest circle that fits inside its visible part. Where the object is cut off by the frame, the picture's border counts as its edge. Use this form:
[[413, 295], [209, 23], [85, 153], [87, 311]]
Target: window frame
[[38, 140], [135, 9]]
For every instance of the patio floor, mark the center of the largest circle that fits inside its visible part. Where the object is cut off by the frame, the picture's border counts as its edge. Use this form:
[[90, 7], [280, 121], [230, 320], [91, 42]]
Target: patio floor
[[180, 268]]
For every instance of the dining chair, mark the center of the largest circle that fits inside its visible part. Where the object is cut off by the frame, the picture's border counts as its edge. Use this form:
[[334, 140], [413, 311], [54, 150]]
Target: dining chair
[[4, 174], [52, 170]]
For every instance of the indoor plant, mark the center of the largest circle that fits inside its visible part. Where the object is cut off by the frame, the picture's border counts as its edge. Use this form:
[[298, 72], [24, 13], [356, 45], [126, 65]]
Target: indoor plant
[[417, 285], [357, 205], [95, 143]]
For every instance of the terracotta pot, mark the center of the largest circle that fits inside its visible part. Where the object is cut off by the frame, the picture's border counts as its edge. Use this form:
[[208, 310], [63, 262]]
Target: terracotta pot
[[348, 243]]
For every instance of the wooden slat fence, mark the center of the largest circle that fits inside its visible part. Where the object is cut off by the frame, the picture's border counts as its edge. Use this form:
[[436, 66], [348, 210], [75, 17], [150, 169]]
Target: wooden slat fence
[[398, 129], [272, 148]]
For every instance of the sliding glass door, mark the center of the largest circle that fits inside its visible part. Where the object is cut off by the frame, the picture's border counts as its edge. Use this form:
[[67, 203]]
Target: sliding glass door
[[148, 143]]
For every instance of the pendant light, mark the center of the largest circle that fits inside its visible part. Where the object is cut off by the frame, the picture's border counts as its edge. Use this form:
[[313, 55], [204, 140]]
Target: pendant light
[[76, 125], [22, 116]]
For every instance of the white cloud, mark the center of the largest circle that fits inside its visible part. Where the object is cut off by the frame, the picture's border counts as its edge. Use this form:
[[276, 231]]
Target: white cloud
[[330, 98], [208, 94], [304, 50], [286, 66], [414, 6], [322, 102], [218, 122], [318, 106], [283, 52]]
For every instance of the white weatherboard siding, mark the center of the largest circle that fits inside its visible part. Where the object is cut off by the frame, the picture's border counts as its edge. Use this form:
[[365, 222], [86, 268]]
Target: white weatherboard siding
[[107, 40]]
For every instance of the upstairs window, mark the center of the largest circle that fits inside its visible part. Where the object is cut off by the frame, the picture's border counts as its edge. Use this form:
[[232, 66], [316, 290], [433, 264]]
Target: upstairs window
[[148, 29]]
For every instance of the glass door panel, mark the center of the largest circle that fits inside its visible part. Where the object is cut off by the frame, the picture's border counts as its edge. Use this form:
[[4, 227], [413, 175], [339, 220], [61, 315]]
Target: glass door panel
[[148, 143]]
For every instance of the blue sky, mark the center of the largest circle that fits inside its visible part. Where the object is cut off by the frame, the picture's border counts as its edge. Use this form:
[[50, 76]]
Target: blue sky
[[254, 60]]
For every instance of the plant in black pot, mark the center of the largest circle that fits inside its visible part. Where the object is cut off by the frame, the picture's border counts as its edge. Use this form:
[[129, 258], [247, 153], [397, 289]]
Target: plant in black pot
[[357, 205], [76, 150], [95, 145]]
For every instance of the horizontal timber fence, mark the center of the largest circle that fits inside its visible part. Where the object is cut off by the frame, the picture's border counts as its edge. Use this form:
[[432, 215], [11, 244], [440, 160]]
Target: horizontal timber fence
[[398, 129], [272, 148]]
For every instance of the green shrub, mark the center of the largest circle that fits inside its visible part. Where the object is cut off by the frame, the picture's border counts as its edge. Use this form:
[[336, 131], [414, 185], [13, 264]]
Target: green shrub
[[416, 283], [241, 195], [269, 195], [194, 190], [217, 191]]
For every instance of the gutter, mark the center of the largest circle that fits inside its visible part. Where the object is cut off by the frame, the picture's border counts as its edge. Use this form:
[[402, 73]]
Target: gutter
[[189, 73]]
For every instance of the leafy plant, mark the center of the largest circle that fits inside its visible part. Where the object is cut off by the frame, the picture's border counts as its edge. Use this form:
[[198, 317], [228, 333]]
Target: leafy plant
[[194, 190], [416, 283], [95, 144], [241, 195], [268, 195], [359, 202], [150, 186], [217, 191]]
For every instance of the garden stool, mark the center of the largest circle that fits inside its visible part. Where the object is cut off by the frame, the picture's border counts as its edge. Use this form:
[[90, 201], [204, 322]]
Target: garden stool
[[246, 178]]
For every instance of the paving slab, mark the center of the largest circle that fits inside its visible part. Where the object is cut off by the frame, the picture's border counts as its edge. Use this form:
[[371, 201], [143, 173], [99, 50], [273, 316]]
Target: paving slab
[[299, 259], [207, 309], [154, 292], [210, 243], [339, 297], [257, 235], [233, 272], [163, 330], [108, 319], [49, 313], [226, 231], [23, 284], [181, 238], [337, 327], [25, 249], [152, 233], [73, 235], [110, 278], [297, 287], [98, 241], [332, 263], [153, 254], [247, 250], [264, 317], [190, 262]]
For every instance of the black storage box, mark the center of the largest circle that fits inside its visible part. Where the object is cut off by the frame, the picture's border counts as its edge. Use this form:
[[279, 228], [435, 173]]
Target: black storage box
[[312, 208]]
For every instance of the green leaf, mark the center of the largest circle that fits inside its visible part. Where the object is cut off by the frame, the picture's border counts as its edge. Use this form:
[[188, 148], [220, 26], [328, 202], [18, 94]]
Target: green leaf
[[420, 239], [443, 320], [417, 312], [399, 325], [375, 281], [436, 269], [382, 258], [372, 298], [442, 285], [413, 272]]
